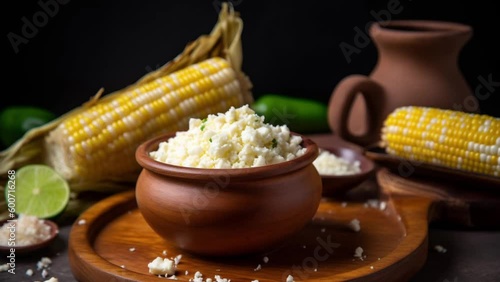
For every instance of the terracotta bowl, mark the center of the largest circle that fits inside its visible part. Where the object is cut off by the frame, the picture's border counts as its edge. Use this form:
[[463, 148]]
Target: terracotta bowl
[[338, 185], [221, 212]]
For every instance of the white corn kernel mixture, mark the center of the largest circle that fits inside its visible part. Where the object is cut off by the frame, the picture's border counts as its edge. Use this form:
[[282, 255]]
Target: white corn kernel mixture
[[238, 138], [328, 163]]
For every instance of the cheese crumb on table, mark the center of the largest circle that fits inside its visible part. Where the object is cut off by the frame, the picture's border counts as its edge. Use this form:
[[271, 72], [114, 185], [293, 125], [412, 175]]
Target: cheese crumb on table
[[238, 138], [44, 262], [29, 272], [45, 273], [52, 279], [289, 278], [160, 266], [328, 163], [440, 249], [29, 230]]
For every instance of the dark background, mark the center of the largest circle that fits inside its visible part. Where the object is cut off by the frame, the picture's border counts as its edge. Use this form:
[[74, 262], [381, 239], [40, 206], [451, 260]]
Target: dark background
[[290, 47]]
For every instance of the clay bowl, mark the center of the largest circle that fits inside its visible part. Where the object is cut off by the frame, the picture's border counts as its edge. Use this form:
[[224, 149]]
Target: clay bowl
[[338, 185], [227, 212]]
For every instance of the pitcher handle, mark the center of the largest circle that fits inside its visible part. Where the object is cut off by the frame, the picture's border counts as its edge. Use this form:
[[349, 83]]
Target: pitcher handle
[[341, 103]]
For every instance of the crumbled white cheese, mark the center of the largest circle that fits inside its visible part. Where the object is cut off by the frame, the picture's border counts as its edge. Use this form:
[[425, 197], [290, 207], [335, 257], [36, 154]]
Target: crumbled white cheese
[[164, 252], [371, 267], [162, 266], [328, 163], [29, 230], [354, 225], [29, 272], [440, 249], [265, 259], [255, 280], [52, 279], [45, 273], [259, 267], [372, 203], [238, 138], [220, 279], [44, 262], [122, 266], [132, 249], [358, 253], [289, 278], [4, 267], [82, 222], [177, 259], [198, 277]]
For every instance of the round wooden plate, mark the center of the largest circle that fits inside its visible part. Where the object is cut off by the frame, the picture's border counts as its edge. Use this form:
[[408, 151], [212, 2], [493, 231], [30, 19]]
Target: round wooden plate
[[112, 242]]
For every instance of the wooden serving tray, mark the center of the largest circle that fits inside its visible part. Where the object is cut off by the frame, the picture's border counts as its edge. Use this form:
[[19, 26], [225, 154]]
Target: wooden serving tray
[[394, 240]]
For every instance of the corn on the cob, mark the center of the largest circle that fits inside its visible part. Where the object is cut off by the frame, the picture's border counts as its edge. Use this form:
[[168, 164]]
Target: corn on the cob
[[100, 142], [453, 139]]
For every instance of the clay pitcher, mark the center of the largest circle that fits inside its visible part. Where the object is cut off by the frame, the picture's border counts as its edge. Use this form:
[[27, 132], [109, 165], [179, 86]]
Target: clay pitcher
[[417, 65]]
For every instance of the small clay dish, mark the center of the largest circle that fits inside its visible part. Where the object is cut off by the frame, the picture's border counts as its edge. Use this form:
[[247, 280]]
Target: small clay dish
[[338, 185], [54, 230], [227, 212]]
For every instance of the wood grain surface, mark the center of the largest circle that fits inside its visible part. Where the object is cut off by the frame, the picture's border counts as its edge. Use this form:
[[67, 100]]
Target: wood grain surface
[[464, 205], [393, 236]]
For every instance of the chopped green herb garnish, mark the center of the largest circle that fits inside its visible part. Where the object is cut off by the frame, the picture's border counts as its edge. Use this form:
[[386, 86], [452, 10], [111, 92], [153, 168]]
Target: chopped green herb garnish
[[275, 143], [202, 127], [210, 140]]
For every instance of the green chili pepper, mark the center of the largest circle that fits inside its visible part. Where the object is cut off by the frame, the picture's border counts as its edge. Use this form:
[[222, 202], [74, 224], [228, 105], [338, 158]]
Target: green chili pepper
[[15, 121], [301, 115]]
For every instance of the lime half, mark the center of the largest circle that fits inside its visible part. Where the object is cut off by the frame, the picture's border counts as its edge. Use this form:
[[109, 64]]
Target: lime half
[[40, 191]]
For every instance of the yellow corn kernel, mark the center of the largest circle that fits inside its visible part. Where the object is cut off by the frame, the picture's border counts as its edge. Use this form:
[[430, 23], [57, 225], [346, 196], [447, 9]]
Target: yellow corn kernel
[[453, 139], [100, 142]]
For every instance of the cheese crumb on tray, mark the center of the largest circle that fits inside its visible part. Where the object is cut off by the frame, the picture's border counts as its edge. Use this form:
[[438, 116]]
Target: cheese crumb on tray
[[160, 266], [355, 225]]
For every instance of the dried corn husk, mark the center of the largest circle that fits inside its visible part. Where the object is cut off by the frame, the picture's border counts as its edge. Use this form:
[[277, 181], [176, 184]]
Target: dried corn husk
[[223, 41]]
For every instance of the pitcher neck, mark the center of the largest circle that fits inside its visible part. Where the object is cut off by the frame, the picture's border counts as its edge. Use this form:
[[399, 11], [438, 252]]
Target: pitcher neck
[[420, 39]]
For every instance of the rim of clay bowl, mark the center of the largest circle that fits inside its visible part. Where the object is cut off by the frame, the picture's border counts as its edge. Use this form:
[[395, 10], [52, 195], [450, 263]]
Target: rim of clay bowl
[[150, 164]]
